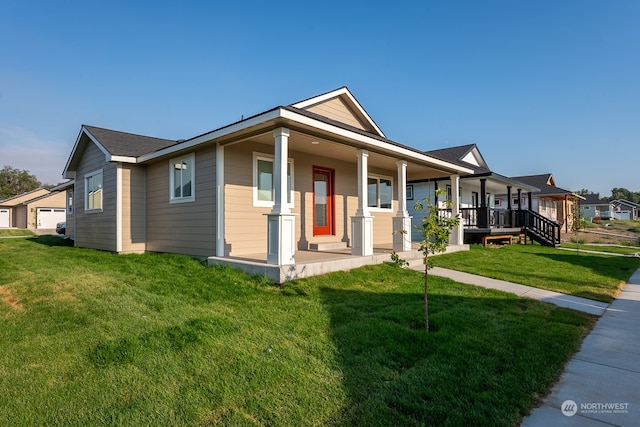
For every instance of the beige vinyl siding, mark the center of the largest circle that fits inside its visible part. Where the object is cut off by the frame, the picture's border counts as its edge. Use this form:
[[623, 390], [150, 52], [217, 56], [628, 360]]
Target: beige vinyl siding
[[336, 109], [134, 228], [24, 197], [383, 220], [246, 225], [96, 229], [187, 228]]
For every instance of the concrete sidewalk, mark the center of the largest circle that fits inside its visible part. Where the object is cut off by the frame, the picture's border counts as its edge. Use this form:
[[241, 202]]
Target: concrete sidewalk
[[562, 300], [600, 386]]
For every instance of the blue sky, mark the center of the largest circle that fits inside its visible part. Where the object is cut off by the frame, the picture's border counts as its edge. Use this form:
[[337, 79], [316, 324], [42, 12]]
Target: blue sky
[[539, 86]]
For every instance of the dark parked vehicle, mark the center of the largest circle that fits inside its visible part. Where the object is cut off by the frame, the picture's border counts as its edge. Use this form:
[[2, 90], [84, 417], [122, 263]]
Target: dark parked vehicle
[[61, 227]]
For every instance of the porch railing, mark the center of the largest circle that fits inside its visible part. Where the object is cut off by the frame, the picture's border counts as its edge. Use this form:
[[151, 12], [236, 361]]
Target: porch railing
[[486, 217], [539, 228], [536, 226]]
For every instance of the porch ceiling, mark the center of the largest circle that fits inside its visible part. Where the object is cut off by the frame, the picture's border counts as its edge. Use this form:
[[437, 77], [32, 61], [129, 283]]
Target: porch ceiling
[[319, 146]]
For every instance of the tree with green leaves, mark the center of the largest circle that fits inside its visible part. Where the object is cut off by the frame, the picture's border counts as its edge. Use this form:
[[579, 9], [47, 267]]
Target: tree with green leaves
[[576, 219], [14, 181], [434, 229], [624, 194]]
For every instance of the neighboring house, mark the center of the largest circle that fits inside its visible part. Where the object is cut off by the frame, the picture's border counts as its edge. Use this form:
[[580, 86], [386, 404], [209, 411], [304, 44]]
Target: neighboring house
[[67, 189], [593, 206], [624, 209], [552, 202], [39, 209], [261, 194], [475, 197]]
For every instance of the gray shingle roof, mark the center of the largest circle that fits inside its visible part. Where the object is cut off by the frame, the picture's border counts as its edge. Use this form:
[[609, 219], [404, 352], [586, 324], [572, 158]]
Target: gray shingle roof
[[594, 199], [455, 155], [540, 181], [127, 144]]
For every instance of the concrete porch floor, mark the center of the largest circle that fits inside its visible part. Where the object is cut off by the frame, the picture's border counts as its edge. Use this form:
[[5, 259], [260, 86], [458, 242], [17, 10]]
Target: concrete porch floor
[[313, 263]]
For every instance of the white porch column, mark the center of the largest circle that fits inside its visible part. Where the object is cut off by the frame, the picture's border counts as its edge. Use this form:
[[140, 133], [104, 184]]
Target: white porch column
[[402, 220], [362, 222], [219, 200], [457, 234], [280, 222]]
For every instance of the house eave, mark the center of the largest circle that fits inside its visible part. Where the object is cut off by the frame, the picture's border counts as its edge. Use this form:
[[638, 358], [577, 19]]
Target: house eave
[[123, 159], [76, 146], [281, 116]]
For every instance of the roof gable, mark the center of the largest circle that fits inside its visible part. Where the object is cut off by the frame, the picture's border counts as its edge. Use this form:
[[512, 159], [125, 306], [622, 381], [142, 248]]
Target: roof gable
[[20, 198], [116, 145], [465, 155], [546, 184], [626, 203], [126, 144], [340, 105]]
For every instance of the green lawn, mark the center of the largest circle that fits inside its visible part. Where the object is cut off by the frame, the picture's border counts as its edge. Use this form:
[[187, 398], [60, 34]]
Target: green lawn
[[12, 232], [89, 338], [597, 277], [619, 249]]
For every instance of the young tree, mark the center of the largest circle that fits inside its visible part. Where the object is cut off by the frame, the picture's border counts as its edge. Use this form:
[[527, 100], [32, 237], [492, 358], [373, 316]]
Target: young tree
[[14, 182], [434, 229], [576, 218]]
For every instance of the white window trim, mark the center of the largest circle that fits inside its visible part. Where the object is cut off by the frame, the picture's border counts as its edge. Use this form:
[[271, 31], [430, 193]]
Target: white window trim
[[192, 198], [377, 208], [86, 193], [268, 158], [70, 197]]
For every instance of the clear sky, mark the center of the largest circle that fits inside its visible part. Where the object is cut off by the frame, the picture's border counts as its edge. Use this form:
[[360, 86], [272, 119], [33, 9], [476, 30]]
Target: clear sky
[[544, 86]]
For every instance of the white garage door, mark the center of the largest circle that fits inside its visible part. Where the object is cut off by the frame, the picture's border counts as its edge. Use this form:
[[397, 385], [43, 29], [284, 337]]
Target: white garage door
[[49, 217], [625, 215], [4, 218]]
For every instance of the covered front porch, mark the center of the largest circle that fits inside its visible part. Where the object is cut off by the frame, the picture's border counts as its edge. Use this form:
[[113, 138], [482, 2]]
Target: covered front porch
[[310, 263]]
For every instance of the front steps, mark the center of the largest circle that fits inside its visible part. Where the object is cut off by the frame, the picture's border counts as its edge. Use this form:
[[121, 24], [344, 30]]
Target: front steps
[[327, 246]]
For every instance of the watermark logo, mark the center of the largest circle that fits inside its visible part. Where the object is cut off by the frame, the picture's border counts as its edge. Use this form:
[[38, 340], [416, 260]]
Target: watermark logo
[[569, 408]]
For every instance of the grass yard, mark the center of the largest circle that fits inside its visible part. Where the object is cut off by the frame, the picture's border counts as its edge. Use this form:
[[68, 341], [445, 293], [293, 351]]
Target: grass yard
[[89, 338], [614, 249], [13, 232], [593, 276]]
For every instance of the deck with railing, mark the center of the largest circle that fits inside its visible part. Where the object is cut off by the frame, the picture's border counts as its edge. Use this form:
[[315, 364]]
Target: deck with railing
[[486, 220]]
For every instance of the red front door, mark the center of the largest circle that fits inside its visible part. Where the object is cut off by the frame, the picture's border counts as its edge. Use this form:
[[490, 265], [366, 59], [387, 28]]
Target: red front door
[[323, 217]]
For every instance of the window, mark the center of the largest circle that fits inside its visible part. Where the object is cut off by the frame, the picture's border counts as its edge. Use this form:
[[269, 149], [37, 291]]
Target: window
[[379, 192], [264, 180], [70, 202], [409, 192], [182, 177], [93, 191]]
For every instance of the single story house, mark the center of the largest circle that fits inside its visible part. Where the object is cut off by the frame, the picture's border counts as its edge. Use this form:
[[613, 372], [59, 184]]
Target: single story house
[[624, 209], [552, 202], [39, 209], [593, 206], [474, 196], [279, 193]]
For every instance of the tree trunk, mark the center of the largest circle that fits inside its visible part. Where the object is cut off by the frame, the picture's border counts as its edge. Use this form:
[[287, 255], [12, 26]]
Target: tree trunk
[[426, 288]]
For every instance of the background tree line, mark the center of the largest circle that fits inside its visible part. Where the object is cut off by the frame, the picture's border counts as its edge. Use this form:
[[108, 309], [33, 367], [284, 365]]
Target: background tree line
[[616, 193], [15, 181]]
